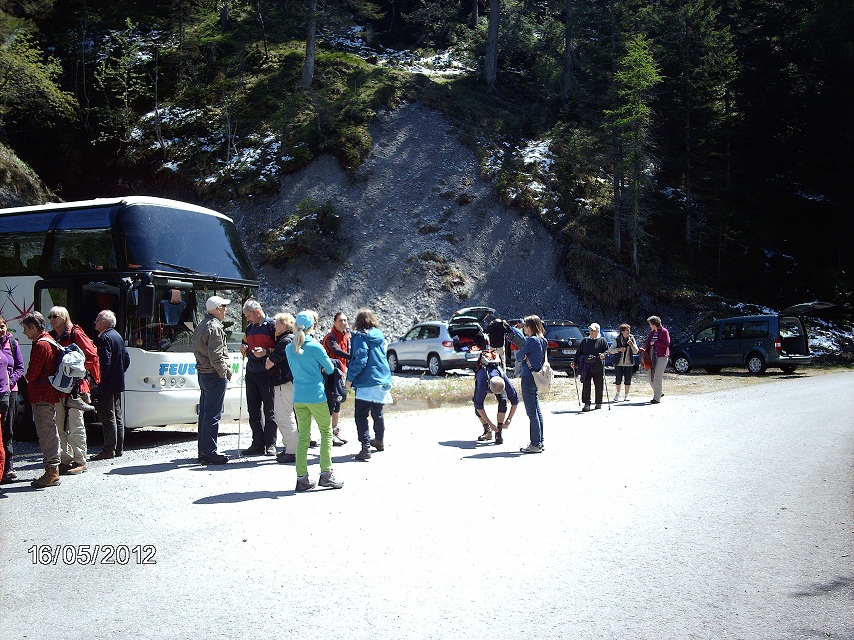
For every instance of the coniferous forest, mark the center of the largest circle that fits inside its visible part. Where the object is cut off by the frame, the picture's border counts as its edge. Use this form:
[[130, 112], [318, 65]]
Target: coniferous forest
[[698, 143]]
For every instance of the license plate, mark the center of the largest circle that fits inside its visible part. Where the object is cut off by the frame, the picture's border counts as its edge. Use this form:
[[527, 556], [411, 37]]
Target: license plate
[[568, 352]]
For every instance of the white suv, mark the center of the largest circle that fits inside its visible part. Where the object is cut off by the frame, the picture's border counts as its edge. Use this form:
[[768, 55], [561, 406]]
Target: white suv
[[427, 345]]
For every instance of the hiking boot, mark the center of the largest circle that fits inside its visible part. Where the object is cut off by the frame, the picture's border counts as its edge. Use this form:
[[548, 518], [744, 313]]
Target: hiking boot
[[78, 403], [499, 439], [270, 450], [337, 440], [586, 407], [364, 454], [598, 406], [486, 436], [654, 401], [327, 479], [531, 448], [49, 479], [76, 468], [254, 450], [286, 458], [378, 444], [104, 455], [214, 458], [304, 484]]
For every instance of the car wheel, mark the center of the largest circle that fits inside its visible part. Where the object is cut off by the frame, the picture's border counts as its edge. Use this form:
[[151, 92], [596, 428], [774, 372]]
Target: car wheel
[[434, 365], [681, 364], [789, 368], [713, 369], [393, 364], [756, 363]]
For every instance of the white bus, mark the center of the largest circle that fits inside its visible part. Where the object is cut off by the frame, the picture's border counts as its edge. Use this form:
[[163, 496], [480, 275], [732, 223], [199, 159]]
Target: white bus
[[154, 262]]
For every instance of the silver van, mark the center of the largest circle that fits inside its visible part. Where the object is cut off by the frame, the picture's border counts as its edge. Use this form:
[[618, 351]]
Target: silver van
[[757, 342]]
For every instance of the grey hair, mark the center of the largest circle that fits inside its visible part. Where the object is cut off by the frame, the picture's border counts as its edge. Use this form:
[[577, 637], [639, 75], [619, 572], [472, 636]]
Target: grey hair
[[109, 316], [252, 305]]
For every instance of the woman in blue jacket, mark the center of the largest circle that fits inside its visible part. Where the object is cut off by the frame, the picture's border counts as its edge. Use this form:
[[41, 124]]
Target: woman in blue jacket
[[369, 374], [532, 354], [308, 360]]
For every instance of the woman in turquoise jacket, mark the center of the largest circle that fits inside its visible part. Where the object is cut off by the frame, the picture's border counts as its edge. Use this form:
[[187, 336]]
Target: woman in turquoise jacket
[[308, 361], [369, 374]]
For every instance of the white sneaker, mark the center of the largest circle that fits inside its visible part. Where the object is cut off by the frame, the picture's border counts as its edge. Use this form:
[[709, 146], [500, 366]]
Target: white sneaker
[[616, 397]]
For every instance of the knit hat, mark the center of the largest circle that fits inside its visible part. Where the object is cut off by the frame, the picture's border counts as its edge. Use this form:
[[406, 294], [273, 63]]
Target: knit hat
[[304, 320]]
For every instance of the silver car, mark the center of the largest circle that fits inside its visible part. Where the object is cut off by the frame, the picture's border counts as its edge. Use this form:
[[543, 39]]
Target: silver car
[[427, 345]]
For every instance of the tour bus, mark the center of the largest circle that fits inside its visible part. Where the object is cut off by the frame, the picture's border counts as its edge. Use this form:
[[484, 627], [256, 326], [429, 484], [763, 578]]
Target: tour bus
[[153, 262]]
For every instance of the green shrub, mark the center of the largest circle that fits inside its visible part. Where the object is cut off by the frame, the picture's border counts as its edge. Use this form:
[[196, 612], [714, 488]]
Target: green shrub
[[311, 231]]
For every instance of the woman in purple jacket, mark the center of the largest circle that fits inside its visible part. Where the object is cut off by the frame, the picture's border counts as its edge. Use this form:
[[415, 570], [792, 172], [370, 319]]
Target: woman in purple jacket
[[11, 369], [658, 346]]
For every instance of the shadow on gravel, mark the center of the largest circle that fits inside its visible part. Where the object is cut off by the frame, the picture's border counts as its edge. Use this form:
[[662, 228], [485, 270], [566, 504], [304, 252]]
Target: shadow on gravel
[[460, 444], [181, 463], [496, 454], [825, 588], [233, 498]]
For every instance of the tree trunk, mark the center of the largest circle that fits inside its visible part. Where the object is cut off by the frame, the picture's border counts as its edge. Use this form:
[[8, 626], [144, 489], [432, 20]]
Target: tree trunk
[[263, 29], [490, 65], [568, 70], [224, 17], [474, 14], [310, 38]]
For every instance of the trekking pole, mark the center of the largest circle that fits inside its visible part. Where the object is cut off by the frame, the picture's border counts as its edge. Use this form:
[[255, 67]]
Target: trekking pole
[[240, 405], [605, 380]]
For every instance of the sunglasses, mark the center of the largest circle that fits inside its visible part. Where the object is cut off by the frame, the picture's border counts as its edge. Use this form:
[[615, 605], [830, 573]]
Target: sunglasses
[[51, 317]]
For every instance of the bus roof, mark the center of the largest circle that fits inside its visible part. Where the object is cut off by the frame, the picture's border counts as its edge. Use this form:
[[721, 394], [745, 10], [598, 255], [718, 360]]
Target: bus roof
[[112, 202]]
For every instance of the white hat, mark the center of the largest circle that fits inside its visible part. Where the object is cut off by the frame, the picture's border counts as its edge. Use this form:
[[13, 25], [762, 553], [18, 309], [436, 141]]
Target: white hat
[[594, 326], [215, 301]]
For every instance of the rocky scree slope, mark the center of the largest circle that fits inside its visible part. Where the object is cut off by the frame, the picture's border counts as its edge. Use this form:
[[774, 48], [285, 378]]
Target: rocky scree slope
[[427, 235]]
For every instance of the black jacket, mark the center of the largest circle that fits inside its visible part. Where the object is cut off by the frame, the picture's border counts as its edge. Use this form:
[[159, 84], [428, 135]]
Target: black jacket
[[280, 372], [114, 360]]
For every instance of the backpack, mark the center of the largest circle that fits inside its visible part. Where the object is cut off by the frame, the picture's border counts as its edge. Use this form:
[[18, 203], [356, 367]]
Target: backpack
[[71, 369], [490, 360]]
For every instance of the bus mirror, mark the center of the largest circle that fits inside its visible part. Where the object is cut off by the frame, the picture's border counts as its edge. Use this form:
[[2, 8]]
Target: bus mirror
[[145, 301]]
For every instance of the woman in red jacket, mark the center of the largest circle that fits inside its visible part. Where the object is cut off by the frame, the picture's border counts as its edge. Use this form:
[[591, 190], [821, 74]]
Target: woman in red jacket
[[69, 413], [657, 345]]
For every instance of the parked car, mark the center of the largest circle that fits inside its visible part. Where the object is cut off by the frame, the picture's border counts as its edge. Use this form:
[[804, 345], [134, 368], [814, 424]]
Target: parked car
[[427, 345], [563, 339], [757, 342]]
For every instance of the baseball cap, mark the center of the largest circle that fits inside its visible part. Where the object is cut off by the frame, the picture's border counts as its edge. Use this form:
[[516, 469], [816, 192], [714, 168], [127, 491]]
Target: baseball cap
[[215, 301], [305, 320]]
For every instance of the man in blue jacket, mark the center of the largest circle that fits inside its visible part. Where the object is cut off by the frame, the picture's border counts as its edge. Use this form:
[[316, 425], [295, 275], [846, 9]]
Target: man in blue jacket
[[114, 362], [491, 378]]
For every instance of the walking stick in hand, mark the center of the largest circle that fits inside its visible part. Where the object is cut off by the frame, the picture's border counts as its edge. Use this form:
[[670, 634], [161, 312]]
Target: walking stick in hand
[[575, 377], [240, 406]]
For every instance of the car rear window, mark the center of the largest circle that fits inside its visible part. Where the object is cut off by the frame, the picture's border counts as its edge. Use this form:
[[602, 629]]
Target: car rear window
[[755, 329], [556, 332], [790, 328]]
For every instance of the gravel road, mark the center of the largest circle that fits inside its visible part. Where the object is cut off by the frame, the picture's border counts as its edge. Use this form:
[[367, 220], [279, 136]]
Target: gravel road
[[713, 515]]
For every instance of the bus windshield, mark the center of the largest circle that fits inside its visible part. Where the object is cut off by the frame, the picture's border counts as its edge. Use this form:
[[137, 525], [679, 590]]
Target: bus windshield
[[152, 236], [177, 313]]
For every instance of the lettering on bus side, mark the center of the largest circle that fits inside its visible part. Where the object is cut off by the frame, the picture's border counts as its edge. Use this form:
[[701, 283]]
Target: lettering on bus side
[[177, 368]]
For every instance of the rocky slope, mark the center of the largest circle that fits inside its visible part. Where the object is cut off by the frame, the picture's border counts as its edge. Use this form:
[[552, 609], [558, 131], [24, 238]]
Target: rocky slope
[[427, 235]]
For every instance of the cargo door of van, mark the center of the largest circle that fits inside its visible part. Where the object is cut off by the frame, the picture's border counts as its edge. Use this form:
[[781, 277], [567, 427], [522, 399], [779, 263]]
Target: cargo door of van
[[729, 345]]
